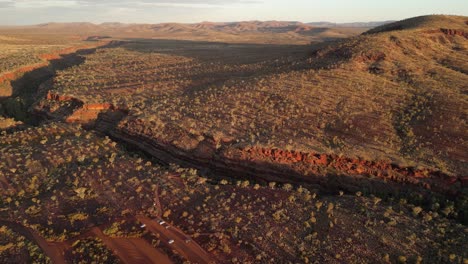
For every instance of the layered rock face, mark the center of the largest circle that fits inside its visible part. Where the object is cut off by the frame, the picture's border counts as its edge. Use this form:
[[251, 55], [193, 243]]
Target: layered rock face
[[224, 156]]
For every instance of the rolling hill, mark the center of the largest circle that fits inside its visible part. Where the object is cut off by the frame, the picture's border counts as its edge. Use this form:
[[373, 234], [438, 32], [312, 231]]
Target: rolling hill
[[426, 58], [249, 31], [352, 24]]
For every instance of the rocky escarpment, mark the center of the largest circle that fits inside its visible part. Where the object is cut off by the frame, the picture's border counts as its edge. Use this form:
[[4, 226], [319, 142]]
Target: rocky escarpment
[[225, 156], [323, 170], [46, 57], [88, 113], [328, 173], [22, 87], [72, 110], [56, 107], [449, 32], [323, 164]]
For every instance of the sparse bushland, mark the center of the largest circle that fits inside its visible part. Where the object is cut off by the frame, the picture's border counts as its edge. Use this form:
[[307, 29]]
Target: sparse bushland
[[16, 248], [58, 160], [350, 153], [358, 98], [17, 52], [239, 221]]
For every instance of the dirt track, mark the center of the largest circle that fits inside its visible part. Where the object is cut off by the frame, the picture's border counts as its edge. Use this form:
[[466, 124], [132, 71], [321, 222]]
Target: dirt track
[[189, 250], [129, 250], [133, 250]]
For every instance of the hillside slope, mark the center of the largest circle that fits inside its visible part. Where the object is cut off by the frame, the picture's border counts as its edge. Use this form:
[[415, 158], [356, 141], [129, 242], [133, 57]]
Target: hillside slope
[[388, 105], [423, 61]]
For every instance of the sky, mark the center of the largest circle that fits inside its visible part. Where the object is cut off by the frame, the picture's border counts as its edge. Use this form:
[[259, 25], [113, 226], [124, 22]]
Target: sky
[[24, 12]]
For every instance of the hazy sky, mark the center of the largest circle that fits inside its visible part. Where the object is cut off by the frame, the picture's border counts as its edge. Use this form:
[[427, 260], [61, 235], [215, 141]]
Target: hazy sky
[[155, 11]]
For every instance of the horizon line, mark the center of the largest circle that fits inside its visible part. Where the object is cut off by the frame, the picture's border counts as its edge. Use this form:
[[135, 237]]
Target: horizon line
[[201, 22]]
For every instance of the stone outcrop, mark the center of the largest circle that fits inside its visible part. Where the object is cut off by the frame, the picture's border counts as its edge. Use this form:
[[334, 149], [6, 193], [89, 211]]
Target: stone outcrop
[[76, 111], [454, 32]]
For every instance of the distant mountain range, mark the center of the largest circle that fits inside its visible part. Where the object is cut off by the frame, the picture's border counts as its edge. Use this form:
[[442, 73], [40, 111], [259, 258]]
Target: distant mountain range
[[352, 25], [221, 26], [266, 31]]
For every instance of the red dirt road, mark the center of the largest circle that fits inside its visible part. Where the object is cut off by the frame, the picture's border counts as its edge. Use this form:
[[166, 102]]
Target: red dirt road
[[50, 249], [133, 250], [191, 250]]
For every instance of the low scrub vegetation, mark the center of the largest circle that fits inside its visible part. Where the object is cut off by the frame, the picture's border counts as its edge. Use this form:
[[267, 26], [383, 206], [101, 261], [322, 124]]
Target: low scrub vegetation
[[343, 152]]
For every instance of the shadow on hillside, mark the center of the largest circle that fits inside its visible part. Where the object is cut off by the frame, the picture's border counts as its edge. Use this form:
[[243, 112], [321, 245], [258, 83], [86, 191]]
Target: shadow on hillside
[[243, 60], [216, 51], [25, 90]]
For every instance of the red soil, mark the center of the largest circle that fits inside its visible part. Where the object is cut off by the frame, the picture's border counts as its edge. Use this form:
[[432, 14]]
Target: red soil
[[191, 250], [133, 250], [129, 250]]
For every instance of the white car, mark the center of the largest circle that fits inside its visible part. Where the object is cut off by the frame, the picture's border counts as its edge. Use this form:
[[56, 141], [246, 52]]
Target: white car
[[162, 222], [171, 241], [143, 226]]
